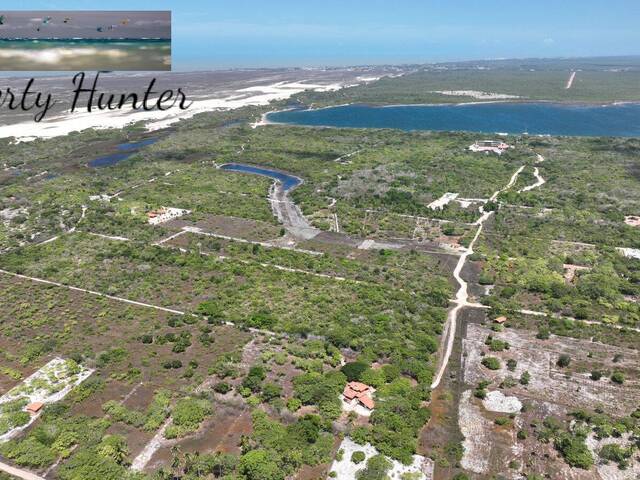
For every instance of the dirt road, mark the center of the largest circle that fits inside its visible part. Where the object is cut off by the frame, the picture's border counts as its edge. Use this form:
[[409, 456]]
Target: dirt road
[[17, 472], [462, 295]]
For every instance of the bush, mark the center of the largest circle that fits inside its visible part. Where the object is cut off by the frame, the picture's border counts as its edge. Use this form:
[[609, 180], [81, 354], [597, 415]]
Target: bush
[[358, 457], [617, 377], [187, 415], [563, 361], [574, 451], [172, 364], [271, 391], [294, 404], [543, 333], [492, 363], [496, 345], [596, 375], [615, 453], [222, 387], [525, 378]]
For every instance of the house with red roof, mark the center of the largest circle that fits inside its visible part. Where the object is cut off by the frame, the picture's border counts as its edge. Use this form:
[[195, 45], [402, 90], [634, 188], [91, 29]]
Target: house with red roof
[[359, 394]]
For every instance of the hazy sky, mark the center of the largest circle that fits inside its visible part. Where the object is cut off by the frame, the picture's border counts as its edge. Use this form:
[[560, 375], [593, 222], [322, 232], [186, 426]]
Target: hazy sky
[[85, 24], [244, 33]]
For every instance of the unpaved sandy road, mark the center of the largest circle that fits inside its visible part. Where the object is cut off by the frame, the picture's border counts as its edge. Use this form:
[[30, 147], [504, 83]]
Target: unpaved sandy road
[[462, 296], [17, 472]]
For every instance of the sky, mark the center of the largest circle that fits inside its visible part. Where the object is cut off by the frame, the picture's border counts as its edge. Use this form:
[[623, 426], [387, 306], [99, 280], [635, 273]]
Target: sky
[[214, 34], [85, 24]]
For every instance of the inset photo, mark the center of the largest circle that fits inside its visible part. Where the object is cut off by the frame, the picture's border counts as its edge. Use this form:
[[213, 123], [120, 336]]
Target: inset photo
[[72, 40]]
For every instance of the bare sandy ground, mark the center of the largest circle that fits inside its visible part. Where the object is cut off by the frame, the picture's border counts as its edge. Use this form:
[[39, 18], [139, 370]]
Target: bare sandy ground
[[209, 91]]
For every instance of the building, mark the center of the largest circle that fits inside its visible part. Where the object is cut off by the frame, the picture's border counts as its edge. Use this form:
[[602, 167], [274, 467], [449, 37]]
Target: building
[[34, 408], [495, 146], [165, 214], [356, 393]]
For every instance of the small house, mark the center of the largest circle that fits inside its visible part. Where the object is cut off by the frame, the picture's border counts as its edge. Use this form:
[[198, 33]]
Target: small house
[[35, 408]]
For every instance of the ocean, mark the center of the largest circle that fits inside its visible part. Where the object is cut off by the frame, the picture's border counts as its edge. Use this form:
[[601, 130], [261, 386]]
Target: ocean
[[85, 54]]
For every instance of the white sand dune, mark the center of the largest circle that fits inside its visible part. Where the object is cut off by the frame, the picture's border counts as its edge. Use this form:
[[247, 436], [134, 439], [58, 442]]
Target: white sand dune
[[155, 120]]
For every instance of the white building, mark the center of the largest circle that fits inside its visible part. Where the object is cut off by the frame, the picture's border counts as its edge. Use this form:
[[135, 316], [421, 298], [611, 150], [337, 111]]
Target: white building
[[165, 214], [495, 146]]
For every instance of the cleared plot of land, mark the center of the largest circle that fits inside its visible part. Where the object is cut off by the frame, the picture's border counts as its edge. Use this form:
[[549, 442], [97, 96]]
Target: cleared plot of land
[[551, 391], [569, 386]]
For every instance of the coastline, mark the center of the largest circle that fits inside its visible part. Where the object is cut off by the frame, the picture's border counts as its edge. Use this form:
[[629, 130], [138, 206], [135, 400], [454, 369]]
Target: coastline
[[257, 95]]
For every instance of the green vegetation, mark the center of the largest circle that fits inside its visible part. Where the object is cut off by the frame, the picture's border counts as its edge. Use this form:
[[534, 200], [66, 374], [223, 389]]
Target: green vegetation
[[492, 363], [186, 416]]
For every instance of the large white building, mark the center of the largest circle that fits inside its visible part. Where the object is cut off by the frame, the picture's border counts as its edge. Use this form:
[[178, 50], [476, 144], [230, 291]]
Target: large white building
[[495, 146]]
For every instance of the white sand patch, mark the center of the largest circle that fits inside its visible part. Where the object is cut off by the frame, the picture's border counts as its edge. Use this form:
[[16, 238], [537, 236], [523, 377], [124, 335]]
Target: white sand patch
[[477, 94], [497, 402], [345, 469], [476, 430], [442, 201], [630, 252], [48, 385], [155, 120]]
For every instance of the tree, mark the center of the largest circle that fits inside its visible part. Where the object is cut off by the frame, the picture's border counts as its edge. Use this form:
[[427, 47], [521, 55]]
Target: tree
[[308, 428], [114, 447], [373, 377], [260, 465], [353, 370], [358, 456], [376, 469]]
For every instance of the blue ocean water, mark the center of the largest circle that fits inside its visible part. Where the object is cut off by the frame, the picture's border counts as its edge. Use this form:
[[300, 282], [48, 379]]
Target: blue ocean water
[[288, 181], [515, 118]]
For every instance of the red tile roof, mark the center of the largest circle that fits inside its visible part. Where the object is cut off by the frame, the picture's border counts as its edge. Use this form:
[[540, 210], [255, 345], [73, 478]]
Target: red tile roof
[[35, 407], [358, 387], [367, 401], [349, 393]]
